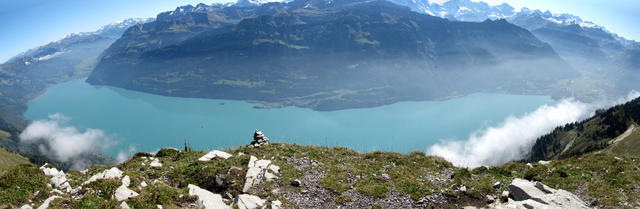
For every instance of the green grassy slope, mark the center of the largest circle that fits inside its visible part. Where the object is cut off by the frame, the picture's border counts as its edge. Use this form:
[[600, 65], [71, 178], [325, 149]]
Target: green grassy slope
[[629, 145], [343, 177], [9, 159]]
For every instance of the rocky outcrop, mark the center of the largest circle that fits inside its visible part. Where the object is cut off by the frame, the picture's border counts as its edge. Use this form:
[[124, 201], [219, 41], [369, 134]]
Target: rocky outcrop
[[215, 154], [58, 178], [527, 194], [207, 199], [123, 192], [155, 163], [113, 173], [245, 201], [259, 169], [259, 139]]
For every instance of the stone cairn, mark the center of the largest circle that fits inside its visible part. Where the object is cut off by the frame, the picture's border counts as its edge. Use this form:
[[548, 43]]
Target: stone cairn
[[259, 139]]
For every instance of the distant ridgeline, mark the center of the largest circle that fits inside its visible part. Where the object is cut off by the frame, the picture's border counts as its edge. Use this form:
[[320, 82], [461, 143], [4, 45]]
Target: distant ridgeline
[[613, 130], [327, 55]]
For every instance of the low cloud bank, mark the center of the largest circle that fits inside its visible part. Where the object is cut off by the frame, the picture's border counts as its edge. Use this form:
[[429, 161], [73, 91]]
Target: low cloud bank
[[63, 142], [514, 138]]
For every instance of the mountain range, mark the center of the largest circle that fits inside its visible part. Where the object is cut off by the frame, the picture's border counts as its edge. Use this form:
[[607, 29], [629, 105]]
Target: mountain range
[[326, 55]]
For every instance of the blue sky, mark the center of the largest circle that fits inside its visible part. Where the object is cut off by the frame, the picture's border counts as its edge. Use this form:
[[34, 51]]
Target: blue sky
[[27, 24]]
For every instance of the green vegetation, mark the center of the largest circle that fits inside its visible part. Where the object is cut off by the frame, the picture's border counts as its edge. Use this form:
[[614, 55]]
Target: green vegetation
[[609, 178], [627, 146], [9, 159], [22, 183]]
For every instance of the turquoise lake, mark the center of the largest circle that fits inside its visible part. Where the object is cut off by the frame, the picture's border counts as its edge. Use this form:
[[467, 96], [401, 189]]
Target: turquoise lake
[[149, 122]]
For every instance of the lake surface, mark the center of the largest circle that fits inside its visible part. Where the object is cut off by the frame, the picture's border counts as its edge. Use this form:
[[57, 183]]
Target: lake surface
[[149, 122]]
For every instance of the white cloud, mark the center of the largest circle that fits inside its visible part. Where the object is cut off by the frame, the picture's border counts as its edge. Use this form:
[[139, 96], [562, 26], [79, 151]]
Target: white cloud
[[513, 138], [63, 142], [124, 156]]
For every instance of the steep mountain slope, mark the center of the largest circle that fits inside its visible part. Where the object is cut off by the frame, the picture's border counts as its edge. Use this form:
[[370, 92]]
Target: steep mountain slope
[[608, 127], [331, 55], [9, 159]]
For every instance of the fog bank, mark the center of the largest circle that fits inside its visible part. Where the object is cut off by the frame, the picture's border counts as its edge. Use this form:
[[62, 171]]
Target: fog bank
[[513, 138]]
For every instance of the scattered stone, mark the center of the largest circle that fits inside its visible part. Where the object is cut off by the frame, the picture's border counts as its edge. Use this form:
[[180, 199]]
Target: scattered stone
[[207, 199], [542, 162], [463, 188], [497, 185], [296, 183], [528, 166], [46, 202], [257, 170], [143, 184], [215, 154], [490, 199], [276, 204], [106, 174], [123, 192], [386, 177], [159, 206], [259, 139], [155, 163], [25, 206], [617, 158], [528, 194], [245, 201], [124, 205]]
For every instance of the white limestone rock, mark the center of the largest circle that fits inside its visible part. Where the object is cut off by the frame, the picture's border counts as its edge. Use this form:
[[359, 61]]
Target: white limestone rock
[[258, 169], [207, 199], [245, 201], [123, 192], [528, 194], [58, 178], [542, 162], [155, 163], [25, 206], [276, 204], [124, 205], [46, 202], [215, 154], [113, 173]]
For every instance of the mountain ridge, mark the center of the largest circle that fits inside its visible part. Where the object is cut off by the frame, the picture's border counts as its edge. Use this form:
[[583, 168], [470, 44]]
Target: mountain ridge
[[292, 36]]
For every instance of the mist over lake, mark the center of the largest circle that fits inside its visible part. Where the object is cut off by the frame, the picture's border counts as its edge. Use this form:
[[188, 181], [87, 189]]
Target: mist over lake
[[148, 122]]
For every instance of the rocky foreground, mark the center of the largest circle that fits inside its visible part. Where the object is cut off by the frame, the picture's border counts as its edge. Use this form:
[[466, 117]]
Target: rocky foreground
[[292, 176]]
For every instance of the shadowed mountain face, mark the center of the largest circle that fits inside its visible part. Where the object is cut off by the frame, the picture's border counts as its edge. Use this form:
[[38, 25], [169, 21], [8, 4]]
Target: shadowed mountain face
[[329, 55]]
